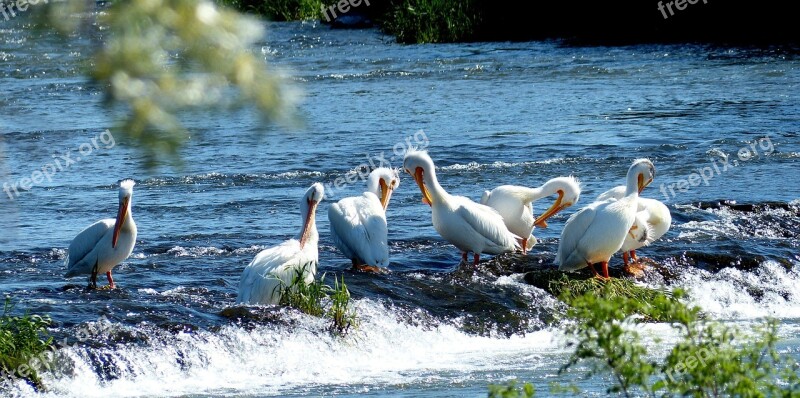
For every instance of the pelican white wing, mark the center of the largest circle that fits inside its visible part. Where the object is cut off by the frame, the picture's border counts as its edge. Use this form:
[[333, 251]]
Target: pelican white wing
[[359, 230], [82, 254], [569, 258], [639, 235], [474, 227], [272, 268]]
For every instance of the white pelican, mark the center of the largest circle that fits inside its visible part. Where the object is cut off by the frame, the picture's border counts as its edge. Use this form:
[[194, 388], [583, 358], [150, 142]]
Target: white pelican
[[279, 265], [106, 243], [470, 226], [596, 232], [514, 203], [358, 223], [653, 220]]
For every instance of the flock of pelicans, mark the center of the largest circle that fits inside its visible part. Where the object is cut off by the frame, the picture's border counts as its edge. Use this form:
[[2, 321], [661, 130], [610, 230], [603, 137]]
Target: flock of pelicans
[[619, 220]]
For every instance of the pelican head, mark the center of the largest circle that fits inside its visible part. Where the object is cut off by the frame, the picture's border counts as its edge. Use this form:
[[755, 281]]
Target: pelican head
[[125, 195], [382, 182], [568, 190], [308, 208], [640, 175], [420, 166]]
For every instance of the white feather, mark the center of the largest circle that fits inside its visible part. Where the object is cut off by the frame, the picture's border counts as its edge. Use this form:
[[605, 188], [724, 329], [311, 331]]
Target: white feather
[[277, 266], [653, 219], [515, 203], [359, 230]]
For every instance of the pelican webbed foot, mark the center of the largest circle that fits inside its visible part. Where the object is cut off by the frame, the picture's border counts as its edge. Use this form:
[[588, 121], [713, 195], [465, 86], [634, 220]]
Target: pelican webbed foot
[[370, 268]]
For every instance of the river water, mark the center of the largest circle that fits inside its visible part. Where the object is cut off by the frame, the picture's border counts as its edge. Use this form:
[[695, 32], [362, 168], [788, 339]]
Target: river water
[[489, 114]]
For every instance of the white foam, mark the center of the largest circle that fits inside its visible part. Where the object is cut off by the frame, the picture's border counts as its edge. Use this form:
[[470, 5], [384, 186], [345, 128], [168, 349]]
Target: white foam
[[729, 293], [273, 359], [474, 166]]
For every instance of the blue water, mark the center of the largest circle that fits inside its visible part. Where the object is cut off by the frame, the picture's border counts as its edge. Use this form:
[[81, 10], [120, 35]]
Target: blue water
[[489, 114]]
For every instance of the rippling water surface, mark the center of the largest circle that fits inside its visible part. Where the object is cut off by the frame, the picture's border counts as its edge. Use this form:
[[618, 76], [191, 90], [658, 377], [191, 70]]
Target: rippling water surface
[[489, 113]]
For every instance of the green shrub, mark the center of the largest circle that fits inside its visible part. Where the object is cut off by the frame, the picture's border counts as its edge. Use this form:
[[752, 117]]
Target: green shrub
[[23, 341], [511, 390], [709, 360]]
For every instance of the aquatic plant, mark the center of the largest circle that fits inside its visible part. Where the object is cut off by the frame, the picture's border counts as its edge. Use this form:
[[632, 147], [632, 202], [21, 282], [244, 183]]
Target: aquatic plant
[[341, 312], [314, 297], [23, 340], [306, 297]]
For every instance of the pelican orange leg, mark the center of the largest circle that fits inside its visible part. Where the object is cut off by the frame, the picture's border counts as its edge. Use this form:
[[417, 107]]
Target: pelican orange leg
[[110, 280]]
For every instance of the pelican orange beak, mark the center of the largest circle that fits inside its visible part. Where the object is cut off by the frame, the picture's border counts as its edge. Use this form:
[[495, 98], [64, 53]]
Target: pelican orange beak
[[630, 231], [386, 194], [641, 183], [312, 209], [555, 208], [426, 196], [121, 213]]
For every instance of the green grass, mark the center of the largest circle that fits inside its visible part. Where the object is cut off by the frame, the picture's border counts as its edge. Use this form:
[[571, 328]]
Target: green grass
[[321, 300], [23, 341], [341, 312], [621, 290], [433, 21], [307, 298], [279, 10]]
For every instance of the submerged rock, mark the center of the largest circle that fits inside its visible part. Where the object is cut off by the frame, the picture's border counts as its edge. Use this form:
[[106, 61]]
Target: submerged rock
[[352, 20]]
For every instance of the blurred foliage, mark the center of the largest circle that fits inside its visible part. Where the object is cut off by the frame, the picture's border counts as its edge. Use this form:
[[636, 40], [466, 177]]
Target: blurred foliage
[[708, 360], [279, 10], [512, 390], [160, 59], [23, 340]]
